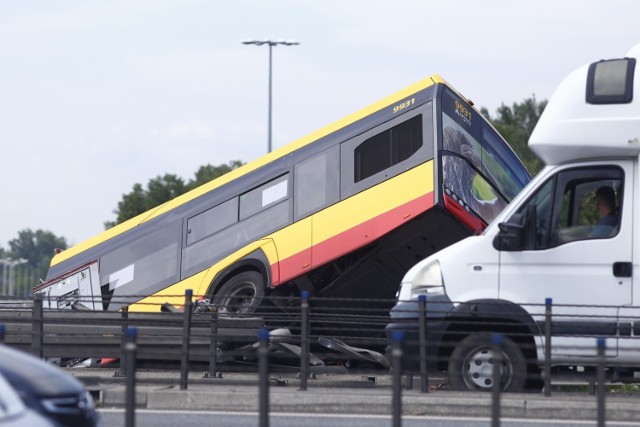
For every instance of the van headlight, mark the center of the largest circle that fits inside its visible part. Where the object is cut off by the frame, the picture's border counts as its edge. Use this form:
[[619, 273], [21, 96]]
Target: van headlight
[[426, 280]]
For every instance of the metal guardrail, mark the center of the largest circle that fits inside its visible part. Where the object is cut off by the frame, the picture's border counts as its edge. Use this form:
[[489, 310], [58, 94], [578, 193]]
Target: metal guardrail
[[90, 334], [316, 333]]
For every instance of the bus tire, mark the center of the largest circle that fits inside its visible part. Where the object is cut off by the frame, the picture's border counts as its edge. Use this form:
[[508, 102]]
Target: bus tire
[[472, 361], [241, 294]]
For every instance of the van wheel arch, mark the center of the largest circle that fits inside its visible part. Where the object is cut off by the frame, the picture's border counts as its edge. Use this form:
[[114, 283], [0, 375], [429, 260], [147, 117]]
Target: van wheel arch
[[473, 361], [494, 316]]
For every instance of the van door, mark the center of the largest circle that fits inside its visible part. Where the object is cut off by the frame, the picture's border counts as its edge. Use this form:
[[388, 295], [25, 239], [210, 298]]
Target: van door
[[585, 268]]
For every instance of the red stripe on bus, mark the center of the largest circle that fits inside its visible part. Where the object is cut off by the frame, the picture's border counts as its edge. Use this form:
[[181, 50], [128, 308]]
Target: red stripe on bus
[[291, 267], [467, 218], [351, 239]]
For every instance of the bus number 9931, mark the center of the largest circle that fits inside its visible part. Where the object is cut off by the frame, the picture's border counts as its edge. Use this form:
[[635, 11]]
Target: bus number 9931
[[404, 105]]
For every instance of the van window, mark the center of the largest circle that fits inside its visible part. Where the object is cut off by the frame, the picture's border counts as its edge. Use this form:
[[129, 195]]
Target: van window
[[578, 204], [543, 202]]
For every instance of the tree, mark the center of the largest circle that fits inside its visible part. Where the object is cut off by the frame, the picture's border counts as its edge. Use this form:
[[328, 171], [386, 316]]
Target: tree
[[208, 172], [515, 124], [37, 247], [161, 189], [131, 205]]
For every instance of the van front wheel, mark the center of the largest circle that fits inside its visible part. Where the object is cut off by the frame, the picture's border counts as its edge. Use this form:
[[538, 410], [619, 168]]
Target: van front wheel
[[474, 359], [241, 294]]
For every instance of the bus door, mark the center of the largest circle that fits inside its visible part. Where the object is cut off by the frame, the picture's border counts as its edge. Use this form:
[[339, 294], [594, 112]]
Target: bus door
[[292, 247], [317, 187]]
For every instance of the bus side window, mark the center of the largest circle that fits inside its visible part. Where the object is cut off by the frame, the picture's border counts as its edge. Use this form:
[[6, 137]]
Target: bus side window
[[386, 151], [212, 220], [387, 148], [264, 196], [317, 183]]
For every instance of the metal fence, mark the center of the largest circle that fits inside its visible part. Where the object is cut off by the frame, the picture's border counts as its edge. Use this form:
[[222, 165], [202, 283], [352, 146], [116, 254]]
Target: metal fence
[[589, 344], [17, 277]]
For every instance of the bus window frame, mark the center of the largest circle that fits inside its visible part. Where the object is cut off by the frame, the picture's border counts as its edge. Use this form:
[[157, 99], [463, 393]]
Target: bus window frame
[[332, 193], [425, 153], [479, 135]]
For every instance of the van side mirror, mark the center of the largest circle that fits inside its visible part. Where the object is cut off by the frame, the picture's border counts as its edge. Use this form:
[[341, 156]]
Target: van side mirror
[[518, 233], [511, 235]]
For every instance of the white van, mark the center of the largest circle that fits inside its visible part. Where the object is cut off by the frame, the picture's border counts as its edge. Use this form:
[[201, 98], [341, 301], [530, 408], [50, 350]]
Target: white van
[[572, 235]]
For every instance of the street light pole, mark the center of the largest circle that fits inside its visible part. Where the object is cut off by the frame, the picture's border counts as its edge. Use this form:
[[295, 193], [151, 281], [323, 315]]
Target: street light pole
[[271, 44], [12, 282], [8, 288], [5, 275]]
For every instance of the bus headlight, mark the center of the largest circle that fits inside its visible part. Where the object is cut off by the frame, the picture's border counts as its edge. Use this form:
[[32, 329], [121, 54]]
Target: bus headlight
[[426, 280]]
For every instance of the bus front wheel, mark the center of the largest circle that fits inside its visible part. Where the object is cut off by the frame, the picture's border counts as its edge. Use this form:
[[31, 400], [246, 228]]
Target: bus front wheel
[[474, 359], [241, 294]]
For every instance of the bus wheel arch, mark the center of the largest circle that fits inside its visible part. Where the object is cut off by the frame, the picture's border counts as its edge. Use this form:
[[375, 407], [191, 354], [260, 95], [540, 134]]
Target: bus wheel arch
[[242, 293], [241, 287]]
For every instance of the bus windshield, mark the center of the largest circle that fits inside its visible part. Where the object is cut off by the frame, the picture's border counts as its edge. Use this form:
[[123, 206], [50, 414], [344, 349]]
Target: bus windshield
[[479, 169]]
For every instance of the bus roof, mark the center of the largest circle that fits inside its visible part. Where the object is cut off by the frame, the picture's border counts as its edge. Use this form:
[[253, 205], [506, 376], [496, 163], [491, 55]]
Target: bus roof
[[592, 114], [248, 167]]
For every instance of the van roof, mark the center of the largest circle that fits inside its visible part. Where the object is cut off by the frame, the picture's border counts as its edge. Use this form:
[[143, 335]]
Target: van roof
[[593, 113]]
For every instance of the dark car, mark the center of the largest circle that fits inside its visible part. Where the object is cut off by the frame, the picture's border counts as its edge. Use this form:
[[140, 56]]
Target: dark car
[[47, 389], [14, 413]]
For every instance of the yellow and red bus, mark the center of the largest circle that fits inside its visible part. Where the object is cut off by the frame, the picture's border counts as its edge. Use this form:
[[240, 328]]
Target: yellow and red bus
[[343, 212]]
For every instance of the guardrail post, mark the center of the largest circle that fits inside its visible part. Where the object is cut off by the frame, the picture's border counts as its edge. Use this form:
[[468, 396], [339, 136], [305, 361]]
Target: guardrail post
[[304, 339], [601, 381], [37, 326], [122, 370], [422, 330], [408, 381], [130, 356], [263, 373], [496, 387], [547, 346], [186, 338], [396, 369], [213, 352]]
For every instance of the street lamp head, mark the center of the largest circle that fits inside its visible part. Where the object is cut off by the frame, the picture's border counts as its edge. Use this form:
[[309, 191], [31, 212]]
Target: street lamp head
[[13, 262], [270, 42], [287, 42]]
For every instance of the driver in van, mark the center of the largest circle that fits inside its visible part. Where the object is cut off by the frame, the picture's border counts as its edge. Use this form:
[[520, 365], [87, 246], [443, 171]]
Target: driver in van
[[606, 207]]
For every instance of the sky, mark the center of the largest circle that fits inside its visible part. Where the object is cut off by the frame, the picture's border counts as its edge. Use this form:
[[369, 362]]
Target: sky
[[96, 96]]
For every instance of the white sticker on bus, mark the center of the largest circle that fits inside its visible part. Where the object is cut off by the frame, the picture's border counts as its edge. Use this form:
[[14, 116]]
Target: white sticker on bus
[[121, 277], [274, 193]]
